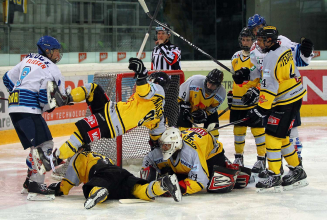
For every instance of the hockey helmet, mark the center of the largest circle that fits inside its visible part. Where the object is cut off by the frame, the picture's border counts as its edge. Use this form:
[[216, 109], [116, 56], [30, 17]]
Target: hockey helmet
[[170, 141], [256, 20], [215, 77], [47, 44], [162, 28], [161, 78], [246, 32]]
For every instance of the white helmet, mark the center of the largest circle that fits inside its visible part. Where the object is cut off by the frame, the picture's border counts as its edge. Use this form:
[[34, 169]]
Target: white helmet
[[172, 136]]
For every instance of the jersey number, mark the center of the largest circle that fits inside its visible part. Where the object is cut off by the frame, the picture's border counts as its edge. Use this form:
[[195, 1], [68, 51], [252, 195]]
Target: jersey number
[[148, 117], [264, 83]]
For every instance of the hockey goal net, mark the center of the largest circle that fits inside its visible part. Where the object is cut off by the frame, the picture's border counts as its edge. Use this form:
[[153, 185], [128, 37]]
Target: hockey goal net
[[133, 145]]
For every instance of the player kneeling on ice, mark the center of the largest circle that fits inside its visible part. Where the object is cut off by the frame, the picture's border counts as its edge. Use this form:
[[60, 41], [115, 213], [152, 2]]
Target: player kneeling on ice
[[103, 180], [110, 119], [198, 159]]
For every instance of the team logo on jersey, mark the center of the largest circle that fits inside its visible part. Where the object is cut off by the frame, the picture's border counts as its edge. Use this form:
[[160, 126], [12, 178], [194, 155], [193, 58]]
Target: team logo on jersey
[[195, 167], [273, 120], [262, 99], [94, 135], [91, 121]]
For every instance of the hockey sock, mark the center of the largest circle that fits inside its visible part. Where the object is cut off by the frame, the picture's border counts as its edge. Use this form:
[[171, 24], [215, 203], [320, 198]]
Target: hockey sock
[[239, 139], [289, 153], [260, 136], [273, 145]]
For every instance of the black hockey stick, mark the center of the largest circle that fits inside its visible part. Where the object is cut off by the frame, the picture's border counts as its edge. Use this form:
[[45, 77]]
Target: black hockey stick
[[212, 128], [223, 112], [190, 120], [150, 26], [3, 99], [145, 8]]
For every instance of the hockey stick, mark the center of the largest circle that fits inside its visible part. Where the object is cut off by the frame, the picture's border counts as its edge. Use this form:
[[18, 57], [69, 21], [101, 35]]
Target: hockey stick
[[150, 26], [211, 126], [132, 201], [223, 112], [145, 8], [3, 99]]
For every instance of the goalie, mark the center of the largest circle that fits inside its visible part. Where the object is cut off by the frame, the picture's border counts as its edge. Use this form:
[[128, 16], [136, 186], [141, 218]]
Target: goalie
[[198, 160], [103, 180], [199, 99], [110, 119]]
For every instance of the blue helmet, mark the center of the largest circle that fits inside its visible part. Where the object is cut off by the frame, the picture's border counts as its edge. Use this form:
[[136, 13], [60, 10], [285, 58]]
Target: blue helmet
[[48, 43], [256, 20]]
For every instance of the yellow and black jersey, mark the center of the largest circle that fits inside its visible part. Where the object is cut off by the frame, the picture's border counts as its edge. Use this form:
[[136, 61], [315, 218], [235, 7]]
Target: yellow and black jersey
[[143, 108], [192, 90], [79, 168], [198, 147], [239, 61], [281, 82]]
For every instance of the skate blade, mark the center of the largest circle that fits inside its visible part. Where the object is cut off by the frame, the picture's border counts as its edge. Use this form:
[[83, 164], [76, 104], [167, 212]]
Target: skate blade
[[40, 197], [24, 191], [298, 184], [36, 158], [276, 189], [177, 194]]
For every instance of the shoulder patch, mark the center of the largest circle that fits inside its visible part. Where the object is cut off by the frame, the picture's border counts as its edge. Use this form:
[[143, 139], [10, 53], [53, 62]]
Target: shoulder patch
[[266, 73]]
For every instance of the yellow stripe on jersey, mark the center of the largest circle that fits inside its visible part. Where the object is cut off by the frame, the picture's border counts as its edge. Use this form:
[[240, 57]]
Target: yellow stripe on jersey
[[290, 100]]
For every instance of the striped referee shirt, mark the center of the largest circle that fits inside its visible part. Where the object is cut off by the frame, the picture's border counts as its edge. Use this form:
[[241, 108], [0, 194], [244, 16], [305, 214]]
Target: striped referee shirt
[[166, 57]]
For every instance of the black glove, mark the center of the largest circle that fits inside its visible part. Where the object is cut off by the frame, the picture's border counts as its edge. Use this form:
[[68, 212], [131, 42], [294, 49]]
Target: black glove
[[153, 144], [56, 188], [251, 96], [199, 116], [230, 99], [185, 108], [241, 75], [306, 47], [138, 67], [255, 115]]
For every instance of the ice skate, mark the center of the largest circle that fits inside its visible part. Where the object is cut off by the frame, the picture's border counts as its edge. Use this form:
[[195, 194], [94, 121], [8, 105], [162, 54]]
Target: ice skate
[[239, 160], [97, 195], [295, 178], [265, 173], [259, 165], [272, 184], [25, 186], [39, 191], [170, 183]]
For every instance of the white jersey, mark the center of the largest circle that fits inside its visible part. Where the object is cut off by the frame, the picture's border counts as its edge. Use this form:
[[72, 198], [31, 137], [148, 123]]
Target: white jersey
[[298, 57], [27, 84]]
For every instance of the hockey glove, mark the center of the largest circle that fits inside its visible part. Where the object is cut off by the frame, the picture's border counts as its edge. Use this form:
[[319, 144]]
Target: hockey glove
[[138, 67], [199, 116], [153, 144], [241, 75], [251, 96], [185, 108], [230, 99], [306, 47], [255, 115], [56, 188]]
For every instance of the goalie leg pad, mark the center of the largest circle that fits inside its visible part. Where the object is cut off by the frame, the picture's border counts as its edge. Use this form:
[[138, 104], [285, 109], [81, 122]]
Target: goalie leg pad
[[243, 178], [222, 180]]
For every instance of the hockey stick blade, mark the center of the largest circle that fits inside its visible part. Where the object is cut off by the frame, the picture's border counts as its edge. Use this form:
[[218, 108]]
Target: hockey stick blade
[[150, 26], [132, 201]]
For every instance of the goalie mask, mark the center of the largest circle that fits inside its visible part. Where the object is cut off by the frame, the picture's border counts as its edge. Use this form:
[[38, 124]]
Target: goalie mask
[[246, 37], [170, 142], [46, 46], [161, 78], [214, 78]]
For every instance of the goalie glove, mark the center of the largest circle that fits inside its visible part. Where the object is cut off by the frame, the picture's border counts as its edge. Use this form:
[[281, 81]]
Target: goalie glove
[[251, 96], [199, 116], [241, 75], [137, 66], [55, 98]]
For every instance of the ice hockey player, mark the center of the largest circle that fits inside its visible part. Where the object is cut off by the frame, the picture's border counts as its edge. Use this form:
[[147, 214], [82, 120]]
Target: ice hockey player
[[27, 86], [165, 55], [302, 55], [279, 76], [240, 100], [103, 180], [198, 160], [199, 98], [110, 119]]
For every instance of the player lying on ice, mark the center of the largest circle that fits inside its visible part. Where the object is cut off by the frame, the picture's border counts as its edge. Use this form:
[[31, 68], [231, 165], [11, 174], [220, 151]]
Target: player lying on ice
[[198, 160], [103, 180], [110, 119]]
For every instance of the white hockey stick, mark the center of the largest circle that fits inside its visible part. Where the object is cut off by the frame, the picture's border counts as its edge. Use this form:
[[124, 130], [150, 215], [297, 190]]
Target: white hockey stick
[[132, 201], [146, 10], [150, 26]]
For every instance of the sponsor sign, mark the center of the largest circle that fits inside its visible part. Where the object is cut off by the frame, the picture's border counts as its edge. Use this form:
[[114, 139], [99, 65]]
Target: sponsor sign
[[315, 82], [143, 55], [121, 56], [82, 57], [103, 56]]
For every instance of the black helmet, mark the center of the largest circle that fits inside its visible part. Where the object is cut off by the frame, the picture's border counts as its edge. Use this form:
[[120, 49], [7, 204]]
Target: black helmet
[[215, 77], [246, 32], [162, 28], [268, 32], [161, 78]]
